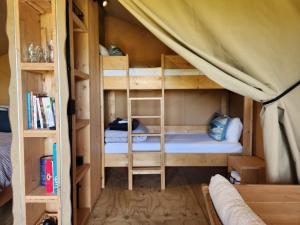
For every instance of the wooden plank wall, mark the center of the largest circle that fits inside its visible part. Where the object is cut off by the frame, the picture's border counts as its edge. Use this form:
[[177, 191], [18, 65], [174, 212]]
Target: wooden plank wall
[[182, 107], [4, 79]]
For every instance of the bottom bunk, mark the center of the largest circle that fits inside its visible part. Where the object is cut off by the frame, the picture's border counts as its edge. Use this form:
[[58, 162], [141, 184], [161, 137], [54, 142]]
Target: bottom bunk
[[190, 149]]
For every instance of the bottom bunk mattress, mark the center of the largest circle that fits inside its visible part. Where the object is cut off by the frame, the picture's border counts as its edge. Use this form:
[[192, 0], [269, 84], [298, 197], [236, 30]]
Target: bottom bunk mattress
[[5, 162], [179, 143]]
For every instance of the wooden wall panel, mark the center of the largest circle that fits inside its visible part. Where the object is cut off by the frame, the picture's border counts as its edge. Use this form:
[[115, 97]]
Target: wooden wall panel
[[258, 148], [4, 79], [141, 45], [184, 107]]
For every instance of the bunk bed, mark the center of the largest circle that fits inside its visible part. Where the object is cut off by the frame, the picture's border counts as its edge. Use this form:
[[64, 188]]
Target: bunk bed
[[182, 145]]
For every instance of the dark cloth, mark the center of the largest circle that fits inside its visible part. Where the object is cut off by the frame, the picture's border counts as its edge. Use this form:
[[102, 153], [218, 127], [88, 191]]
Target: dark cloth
[[4, 121], [116, 125]]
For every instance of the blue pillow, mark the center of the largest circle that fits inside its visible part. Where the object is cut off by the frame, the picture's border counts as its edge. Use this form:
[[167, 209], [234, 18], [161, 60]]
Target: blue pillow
[[218, 126], [4, 120]]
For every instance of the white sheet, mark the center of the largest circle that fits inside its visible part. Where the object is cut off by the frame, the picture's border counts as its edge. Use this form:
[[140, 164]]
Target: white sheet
[[152, 72], [179, 143]]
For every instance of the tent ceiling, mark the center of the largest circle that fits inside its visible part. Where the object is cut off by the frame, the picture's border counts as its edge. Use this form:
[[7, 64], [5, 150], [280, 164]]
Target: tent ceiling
[[3, 37]]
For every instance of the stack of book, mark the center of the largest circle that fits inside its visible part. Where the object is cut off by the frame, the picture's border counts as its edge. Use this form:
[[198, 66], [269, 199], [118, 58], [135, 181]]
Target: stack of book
[[49, 172], [40, 111]]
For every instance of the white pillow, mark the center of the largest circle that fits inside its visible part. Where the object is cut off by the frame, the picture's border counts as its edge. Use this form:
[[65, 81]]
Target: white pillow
[[103, 50], [230, 206], [234, 130]]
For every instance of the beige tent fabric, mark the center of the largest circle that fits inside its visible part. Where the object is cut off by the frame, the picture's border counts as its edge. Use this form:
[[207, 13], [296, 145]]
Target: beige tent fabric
[[251, 47]]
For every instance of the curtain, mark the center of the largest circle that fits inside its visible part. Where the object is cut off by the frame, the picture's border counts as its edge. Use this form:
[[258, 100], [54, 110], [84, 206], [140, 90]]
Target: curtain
[[251, 47]]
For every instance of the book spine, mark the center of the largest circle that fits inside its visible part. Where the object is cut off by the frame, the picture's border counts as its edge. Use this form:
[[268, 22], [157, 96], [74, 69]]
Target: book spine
[[43, 112], [40, 112], [29, 109], [55, 169], [35, 119], [49, 112], [49, 176], [53, 109]]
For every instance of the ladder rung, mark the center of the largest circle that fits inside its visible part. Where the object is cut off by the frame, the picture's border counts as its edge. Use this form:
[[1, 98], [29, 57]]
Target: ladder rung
[[146, 134], [144, 98], [145, 117], [146, 170]]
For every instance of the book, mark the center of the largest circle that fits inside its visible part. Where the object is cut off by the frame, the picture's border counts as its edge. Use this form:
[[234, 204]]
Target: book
[[55, 181], [28, 94], [49, 176], [40, 117], [35, 119], [49, 112]]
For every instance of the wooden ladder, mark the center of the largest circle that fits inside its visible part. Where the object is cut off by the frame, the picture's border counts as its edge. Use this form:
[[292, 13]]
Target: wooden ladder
[[147, 170]]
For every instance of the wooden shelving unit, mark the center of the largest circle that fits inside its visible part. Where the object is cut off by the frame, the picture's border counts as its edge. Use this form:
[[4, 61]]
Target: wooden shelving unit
[[36, 23], [83, 59]]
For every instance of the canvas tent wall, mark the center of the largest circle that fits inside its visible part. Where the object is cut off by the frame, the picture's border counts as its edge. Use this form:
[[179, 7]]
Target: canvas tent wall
[[249, 47]]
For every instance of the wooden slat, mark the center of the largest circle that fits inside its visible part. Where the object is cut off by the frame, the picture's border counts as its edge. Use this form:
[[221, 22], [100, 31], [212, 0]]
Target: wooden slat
[[39, 133], [41, 6], [146, 170], [247, 126], [79, 26], [81, 123], [115, 63], [146, 134], [145, 117], [190, 82], [145, 98], [39, 195], [79, 75], [83, 215], [37, 66], [81, 171]]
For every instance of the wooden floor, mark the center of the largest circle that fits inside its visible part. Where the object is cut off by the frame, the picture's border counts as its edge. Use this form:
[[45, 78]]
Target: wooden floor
[[181, 203]]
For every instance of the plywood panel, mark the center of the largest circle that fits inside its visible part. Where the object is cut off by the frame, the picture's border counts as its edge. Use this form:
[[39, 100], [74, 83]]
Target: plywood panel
[[258, 148], [4, 78], [142, 46]]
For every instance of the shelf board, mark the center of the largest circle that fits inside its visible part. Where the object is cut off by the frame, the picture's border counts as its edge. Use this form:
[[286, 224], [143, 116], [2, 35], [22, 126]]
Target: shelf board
[[79, 75], [37, 66], [80, 123], [81, 172], [39, 133], [79, 26], [39, 195], [41, 6], [83, 215]]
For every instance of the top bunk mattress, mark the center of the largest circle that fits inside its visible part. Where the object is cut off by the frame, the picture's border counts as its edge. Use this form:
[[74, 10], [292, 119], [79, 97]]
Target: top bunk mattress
[[152, 72], [179, 143]]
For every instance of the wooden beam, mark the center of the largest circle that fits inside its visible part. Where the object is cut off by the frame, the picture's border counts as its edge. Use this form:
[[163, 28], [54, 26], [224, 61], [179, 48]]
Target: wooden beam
[[248, 126]]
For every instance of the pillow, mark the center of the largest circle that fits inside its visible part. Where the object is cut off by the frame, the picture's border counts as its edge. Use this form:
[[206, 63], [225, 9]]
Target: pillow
[[230, 206], [218, 126], [115, 50], [4, 120], [234, 130], [103, 50]]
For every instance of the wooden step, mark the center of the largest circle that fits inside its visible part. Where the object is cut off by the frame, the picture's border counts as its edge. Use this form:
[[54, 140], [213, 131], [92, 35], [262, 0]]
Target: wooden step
[[146, 170], [144, 98], [145, 117], [81, 172], [146, 134]]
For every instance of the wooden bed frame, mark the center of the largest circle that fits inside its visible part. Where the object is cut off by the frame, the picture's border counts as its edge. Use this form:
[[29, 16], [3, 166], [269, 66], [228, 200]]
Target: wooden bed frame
[[194, 82], [274, 204], [5, 195]]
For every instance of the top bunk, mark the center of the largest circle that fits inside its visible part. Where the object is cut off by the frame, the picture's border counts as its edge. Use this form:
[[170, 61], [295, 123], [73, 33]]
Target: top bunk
[[177, 74]]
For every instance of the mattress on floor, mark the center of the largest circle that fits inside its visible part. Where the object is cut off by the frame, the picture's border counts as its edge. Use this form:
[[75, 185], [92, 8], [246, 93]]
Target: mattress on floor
[[156, 71], [179, 143], [5, 162]]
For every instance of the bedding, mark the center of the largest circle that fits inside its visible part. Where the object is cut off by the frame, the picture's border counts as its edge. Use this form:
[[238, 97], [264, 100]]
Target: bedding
[[156, 71], [119, 136], [179, 143], [5, 162]]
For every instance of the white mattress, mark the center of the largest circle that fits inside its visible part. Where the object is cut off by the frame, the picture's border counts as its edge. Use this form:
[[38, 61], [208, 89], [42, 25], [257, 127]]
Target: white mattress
[[152, 72], [179, 143]]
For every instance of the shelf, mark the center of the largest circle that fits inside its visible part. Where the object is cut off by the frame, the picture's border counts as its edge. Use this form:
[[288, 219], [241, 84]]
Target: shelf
[[41, 6], [39, 133], [79, 26], [83, 215], [39, 195], [145, 117], [146, 170], [81, 172], [38, 67], [81, 123], [79, 75]]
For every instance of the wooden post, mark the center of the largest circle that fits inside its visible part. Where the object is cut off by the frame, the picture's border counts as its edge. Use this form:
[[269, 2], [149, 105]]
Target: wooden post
[[248, 126]]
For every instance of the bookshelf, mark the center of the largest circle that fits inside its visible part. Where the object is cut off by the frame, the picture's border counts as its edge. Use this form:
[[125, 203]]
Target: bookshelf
[[37, 72], [84, 70]]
